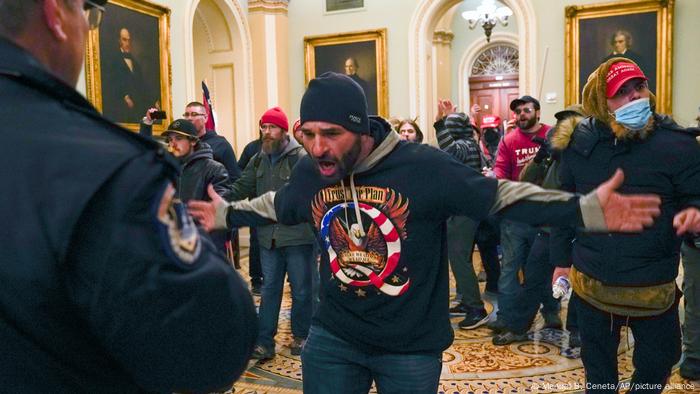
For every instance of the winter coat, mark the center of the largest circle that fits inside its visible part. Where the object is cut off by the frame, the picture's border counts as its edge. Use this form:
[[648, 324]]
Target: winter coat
[[199, 169], [666, 163]]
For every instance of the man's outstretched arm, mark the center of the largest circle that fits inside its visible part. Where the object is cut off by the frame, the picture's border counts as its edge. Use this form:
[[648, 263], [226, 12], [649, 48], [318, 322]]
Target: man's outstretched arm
[[218, 214], [604, 209]]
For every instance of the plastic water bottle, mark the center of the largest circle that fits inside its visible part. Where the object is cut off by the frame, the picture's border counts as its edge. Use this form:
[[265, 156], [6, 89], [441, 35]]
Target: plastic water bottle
[[561, 288]]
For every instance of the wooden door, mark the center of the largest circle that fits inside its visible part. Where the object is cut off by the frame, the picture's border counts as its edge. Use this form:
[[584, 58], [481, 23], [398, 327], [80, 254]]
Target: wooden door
[[493, 93]]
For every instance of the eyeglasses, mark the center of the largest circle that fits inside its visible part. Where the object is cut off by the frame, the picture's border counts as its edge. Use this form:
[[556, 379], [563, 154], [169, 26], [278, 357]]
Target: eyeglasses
[[527, 110], [627, 89], [191, 114], [93, 14]]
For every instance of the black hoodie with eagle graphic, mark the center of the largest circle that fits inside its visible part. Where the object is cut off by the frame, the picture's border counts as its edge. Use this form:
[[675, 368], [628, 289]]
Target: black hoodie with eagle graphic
[[382, 231]]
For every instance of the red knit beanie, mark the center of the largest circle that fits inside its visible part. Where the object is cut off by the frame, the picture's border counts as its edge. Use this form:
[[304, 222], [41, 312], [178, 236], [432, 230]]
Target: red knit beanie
[[275, 116]]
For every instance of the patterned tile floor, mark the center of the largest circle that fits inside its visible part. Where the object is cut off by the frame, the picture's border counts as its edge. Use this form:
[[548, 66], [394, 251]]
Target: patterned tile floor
[[472, 364]]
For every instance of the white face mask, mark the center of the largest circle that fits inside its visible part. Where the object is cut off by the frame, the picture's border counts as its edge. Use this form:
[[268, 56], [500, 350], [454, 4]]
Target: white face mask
[[634, 115]]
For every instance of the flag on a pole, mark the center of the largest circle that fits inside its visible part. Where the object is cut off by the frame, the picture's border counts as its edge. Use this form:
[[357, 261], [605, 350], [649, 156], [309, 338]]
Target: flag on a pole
[[209, 107]]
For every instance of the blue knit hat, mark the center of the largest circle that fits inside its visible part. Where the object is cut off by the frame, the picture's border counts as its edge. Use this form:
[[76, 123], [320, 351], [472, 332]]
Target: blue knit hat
[[335, 98]]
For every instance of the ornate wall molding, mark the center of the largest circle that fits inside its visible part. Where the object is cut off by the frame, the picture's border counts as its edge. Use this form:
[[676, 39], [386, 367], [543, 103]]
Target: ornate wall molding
[[444, 37], [268, 6]]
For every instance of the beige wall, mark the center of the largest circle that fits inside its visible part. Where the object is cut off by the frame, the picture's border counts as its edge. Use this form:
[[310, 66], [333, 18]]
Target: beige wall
[[307, 18], [686, 54]]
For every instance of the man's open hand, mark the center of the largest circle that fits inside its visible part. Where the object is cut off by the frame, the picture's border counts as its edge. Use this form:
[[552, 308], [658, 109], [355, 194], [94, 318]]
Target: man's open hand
[[626, 213], [687, 221], [205, 211]]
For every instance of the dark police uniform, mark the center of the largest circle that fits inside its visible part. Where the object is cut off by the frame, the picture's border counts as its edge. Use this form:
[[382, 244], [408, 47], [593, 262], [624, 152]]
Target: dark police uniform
[[105, 284]]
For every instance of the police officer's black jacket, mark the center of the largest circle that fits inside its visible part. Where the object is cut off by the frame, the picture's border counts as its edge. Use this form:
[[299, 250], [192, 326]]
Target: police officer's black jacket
[[96, 294]]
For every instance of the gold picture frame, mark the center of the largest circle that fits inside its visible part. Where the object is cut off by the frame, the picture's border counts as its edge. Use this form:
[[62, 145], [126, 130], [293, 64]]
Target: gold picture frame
[[127, 65], [367, 49], [645, 25]]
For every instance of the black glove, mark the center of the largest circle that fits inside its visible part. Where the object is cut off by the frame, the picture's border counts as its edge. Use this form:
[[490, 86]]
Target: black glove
[[544, 151]]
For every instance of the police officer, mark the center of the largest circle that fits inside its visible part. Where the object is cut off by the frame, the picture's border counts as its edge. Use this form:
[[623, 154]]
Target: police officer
[[106, 284]]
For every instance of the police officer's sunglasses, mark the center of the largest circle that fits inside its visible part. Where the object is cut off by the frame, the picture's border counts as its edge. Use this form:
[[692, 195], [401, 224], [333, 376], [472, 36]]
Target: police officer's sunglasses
[[93, 14]]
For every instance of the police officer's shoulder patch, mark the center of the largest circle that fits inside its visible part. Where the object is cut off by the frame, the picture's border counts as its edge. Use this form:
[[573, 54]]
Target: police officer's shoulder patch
[[179, 235]]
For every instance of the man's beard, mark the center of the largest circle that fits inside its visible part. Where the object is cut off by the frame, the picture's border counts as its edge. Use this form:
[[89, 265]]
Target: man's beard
[[527, 124], [271, 147], [344, 165]]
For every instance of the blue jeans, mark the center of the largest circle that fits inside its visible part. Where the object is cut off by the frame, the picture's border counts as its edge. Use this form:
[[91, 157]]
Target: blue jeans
[[296, 262], [537, 288], [516, 241], [332, 365]]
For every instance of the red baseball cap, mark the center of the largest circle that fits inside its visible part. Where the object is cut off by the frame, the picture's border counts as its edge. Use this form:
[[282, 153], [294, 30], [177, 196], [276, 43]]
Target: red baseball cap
[[618, 74], [490, 121]]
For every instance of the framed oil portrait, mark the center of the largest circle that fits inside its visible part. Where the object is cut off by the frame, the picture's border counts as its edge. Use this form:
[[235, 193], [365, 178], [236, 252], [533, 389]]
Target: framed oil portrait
[[360, 55], [127, 63], [639, 30], [333, 6]]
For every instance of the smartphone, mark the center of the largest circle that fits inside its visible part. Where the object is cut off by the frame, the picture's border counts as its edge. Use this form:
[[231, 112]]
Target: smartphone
[[158, 115]]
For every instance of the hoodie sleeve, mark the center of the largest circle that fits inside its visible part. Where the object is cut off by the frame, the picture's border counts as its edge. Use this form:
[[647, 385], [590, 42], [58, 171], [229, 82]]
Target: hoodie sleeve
[[292, 202], [244, 187], [289, 205]]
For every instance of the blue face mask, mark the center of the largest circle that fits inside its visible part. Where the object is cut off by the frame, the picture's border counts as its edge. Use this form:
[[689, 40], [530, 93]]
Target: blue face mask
[[634, 115]]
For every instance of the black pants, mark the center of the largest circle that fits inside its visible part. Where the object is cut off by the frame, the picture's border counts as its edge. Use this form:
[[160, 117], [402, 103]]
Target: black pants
[[487, 237], [254, 267], [657, 347]]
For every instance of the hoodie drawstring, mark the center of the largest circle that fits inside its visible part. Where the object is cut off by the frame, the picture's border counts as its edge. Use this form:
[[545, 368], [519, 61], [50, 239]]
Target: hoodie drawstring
[[356, 203]]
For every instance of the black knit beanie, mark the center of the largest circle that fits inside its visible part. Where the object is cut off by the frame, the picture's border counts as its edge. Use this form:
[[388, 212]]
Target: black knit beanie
[[458, 124], [335, 98]]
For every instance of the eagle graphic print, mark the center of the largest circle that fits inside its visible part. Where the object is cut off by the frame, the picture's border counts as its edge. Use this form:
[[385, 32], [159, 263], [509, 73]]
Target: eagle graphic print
[[364, 250]]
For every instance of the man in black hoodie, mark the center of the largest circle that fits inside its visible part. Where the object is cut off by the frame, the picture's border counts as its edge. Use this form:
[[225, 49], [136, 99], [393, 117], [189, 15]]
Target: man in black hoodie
[[380, 208]]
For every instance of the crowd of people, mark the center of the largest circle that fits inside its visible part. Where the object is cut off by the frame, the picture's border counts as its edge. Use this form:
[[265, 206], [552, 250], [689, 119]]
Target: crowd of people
[[117, 280]]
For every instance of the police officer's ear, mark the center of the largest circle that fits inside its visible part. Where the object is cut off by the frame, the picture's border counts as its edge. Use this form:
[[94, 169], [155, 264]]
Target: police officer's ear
[[56, 15]]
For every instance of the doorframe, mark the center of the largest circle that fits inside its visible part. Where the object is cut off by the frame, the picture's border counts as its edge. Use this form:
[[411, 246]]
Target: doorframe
[[241, 38], [421, 73], [472, 53]]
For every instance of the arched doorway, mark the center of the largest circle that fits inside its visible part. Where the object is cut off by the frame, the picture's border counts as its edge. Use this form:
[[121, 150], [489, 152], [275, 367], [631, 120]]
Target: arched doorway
[[421, 47], [221, 55], [493, 80]]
